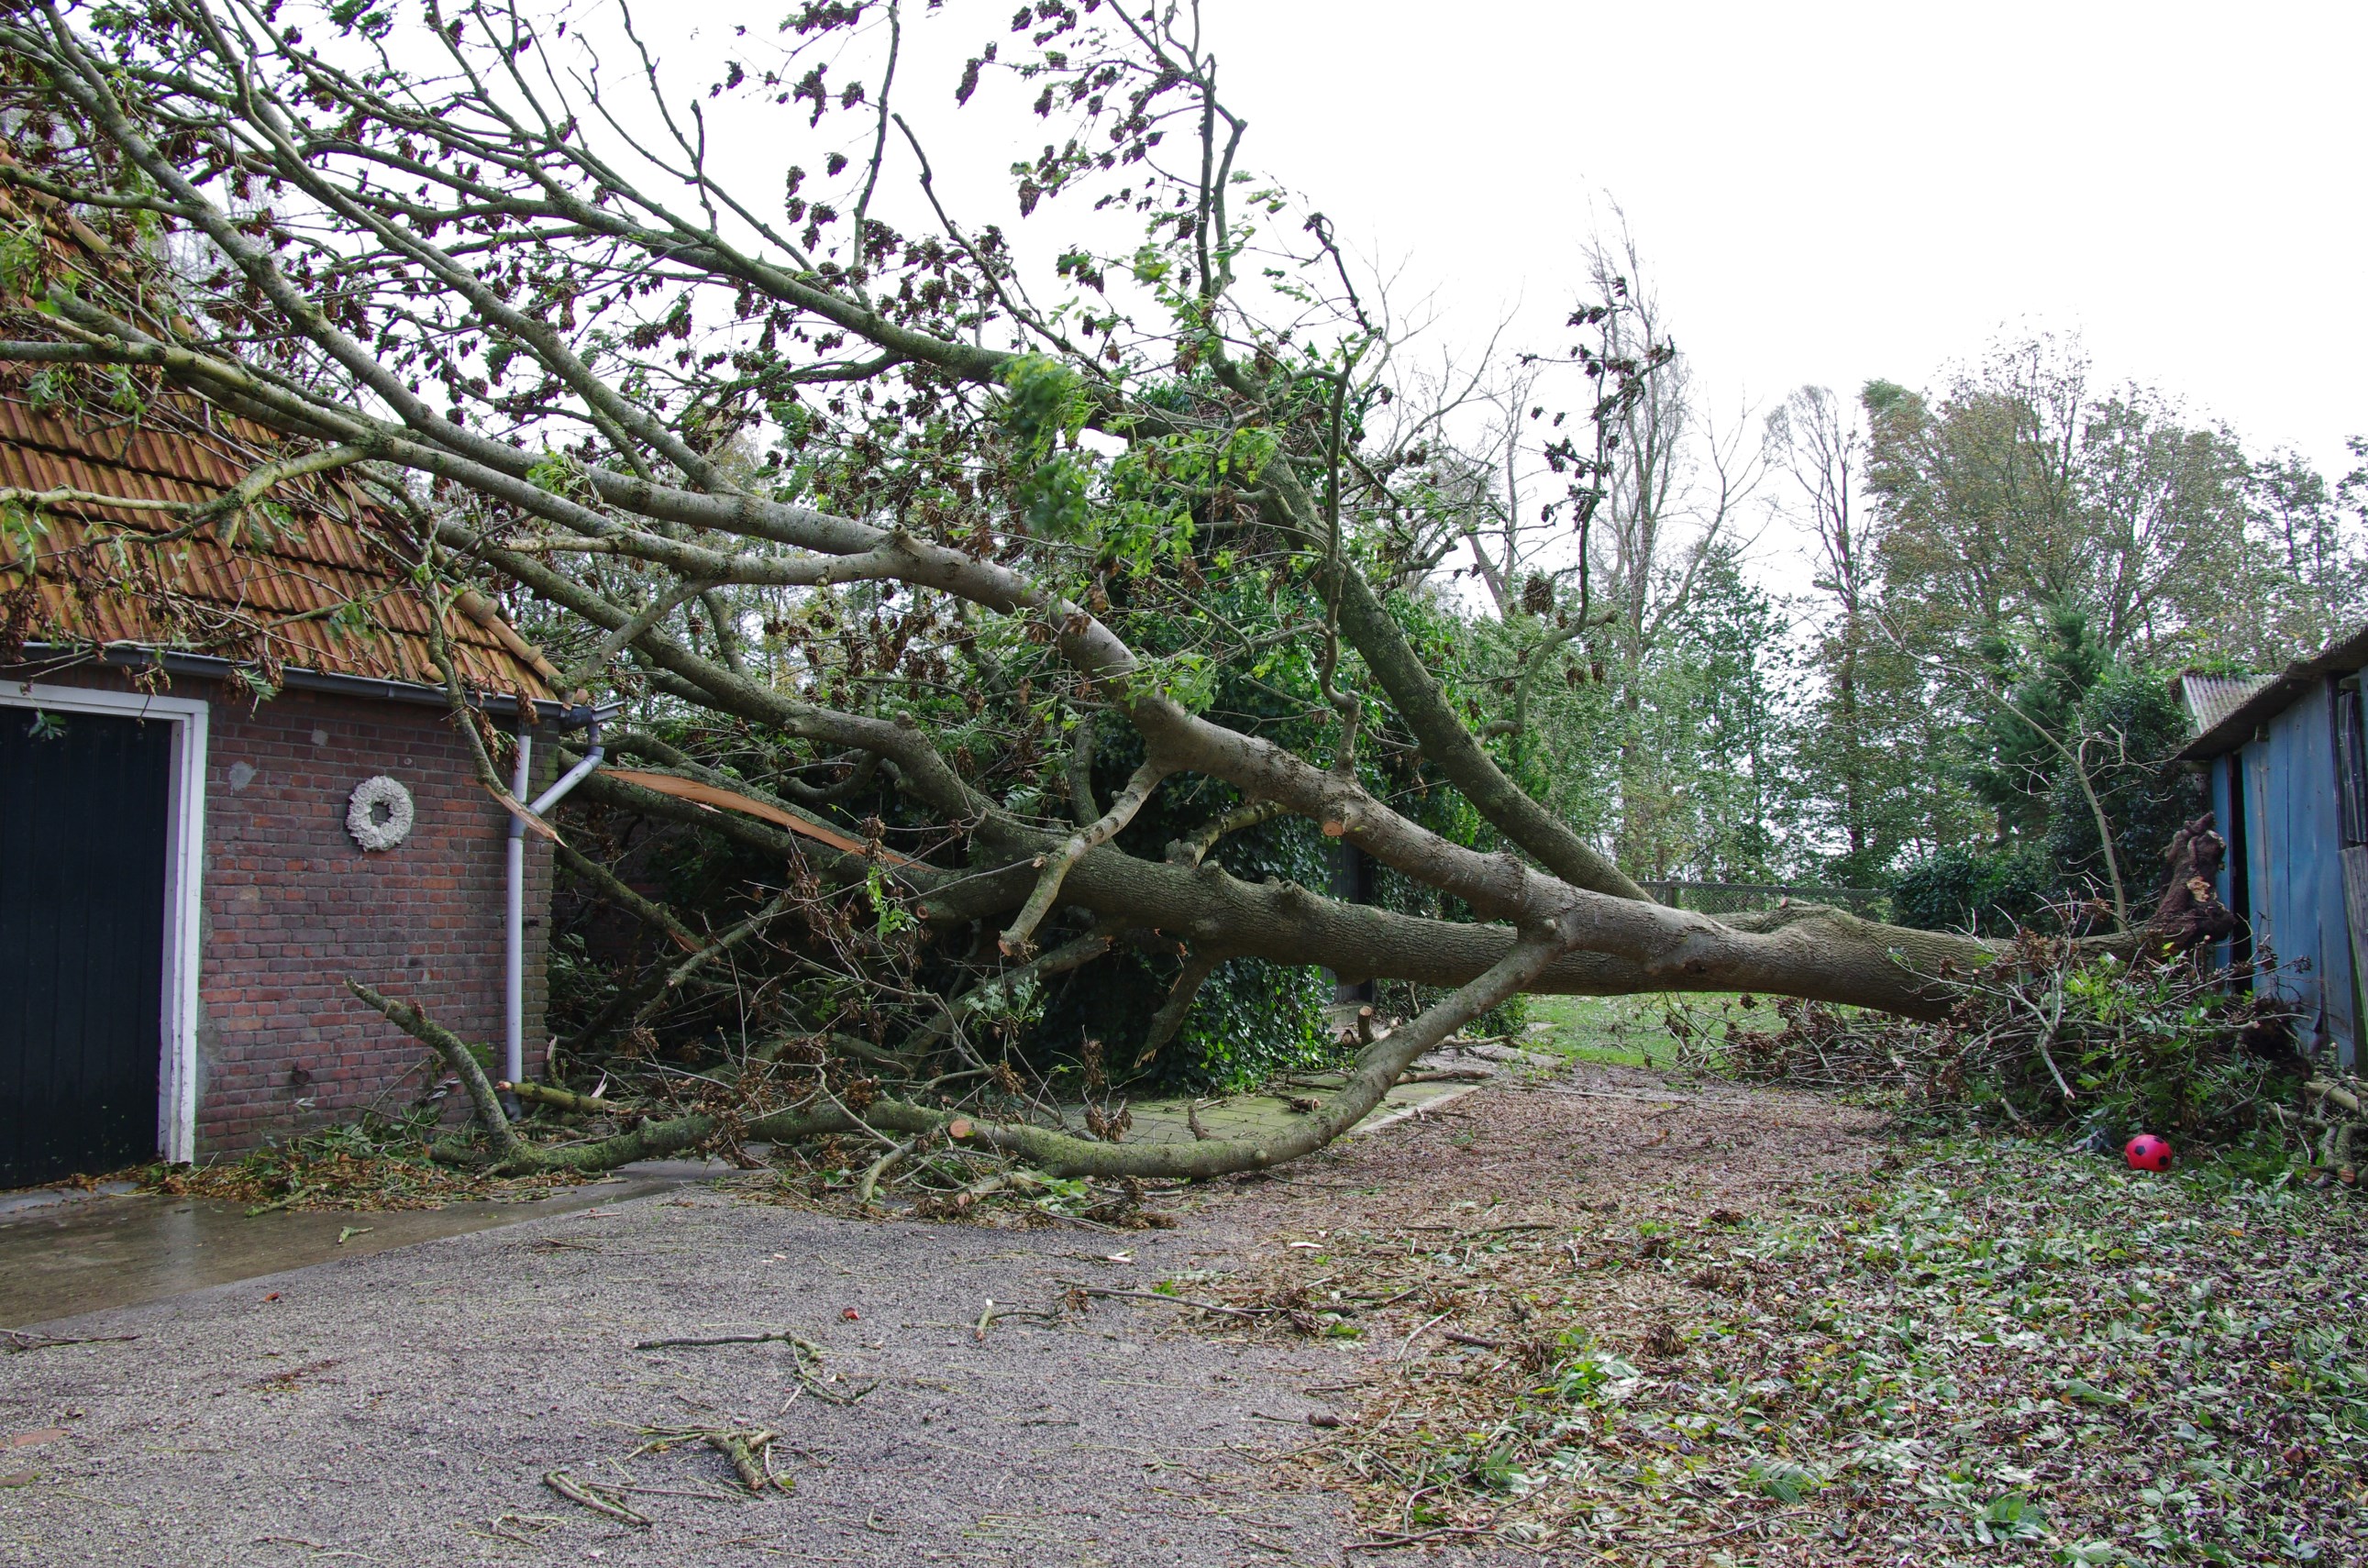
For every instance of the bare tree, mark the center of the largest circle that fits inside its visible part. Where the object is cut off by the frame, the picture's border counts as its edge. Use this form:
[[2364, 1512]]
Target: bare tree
[[877, 497], [1674, 483], [1823, 449]]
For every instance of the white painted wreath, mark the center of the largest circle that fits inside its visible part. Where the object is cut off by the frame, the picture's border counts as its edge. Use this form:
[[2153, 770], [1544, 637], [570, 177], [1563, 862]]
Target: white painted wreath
[[362, 820]]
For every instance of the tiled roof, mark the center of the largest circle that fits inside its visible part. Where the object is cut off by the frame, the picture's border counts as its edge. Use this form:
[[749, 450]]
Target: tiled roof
[[267, 591], [258, 592]]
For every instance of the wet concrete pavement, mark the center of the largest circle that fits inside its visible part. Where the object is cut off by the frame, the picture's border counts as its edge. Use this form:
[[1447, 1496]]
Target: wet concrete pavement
[[90, 1252], [1263, 1112], [1260, 1114], [93, 1252]]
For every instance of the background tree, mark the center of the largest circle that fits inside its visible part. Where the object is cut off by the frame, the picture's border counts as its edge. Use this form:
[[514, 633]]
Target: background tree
[[1869, 791], [2080, 543], [1651, 508], [2308, 578]]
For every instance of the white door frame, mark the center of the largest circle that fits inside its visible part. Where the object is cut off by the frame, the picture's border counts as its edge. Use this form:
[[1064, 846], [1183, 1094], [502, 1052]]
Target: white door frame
[[184, 866]]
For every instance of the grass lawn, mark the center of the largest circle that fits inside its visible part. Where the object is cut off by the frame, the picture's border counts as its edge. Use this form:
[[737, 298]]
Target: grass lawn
[[1633, 1032]]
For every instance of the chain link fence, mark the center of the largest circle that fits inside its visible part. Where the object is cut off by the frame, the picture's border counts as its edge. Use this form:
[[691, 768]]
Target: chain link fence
[[1736, 898]]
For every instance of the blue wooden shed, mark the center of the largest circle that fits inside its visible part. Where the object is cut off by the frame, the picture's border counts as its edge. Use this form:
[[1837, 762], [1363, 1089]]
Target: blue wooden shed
[[2288, 764]]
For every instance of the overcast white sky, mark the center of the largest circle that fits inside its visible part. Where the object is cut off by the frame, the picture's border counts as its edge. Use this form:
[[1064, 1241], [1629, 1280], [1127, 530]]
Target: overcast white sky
[[1831, 191], [1824, 190]]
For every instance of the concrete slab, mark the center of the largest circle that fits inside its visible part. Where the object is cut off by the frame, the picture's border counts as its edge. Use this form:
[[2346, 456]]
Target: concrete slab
[[1260, 1112], [31, 1198]]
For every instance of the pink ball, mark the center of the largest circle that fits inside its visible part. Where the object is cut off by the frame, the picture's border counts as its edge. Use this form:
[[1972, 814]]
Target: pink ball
[[2147, 1152]]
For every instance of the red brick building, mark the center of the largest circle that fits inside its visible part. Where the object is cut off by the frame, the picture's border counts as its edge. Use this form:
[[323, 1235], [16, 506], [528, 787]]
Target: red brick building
[[187, 877]]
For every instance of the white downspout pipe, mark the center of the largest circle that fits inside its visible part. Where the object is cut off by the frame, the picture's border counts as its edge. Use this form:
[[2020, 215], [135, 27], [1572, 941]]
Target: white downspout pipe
[[572, 777], [514, 998], [514, 921]]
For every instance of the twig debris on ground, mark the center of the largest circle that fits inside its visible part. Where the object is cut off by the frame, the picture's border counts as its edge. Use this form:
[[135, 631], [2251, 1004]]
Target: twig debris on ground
[[607, 1501], [1790, 1349], [748, 1448], [16, 1341], [807, 1359]]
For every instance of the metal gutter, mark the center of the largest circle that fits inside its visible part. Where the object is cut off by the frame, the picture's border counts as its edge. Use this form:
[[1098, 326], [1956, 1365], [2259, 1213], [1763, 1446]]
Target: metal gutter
[[209, 666]]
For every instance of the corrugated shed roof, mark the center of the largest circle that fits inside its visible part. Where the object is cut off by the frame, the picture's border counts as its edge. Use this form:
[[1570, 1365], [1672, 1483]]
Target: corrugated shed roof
[[276, 594], [2211, 699], [2271, 695]]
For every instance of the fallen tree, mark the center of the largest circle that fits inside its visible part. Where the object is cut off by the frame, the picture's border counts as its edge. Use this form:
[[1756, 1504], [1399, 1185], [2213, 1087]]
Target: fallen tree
[[2114, 1037], [964, 572]]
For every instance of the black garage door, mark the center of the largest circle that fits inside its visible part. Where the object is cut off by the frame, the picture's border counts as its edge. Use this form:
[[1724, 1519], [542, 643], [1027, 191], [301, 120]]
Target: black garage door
[[82, 798]]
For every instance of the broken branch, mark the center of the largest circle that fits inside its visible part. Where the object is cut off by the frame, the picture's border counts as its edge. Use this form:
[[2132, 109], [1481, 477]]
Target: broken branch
[[1131, 799], [599, 1499]]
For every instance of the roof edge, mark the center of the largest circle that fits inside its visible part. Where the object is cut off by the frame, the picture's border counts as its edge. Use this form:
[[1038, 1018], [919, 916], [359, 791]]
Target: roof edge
[[2343, 656], [211, 666]]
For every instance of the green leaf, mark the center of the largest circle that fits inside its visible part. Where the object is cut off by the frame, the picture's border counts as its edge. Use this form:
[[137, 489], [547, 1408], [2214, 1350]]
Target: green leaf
[[1785, 1481]]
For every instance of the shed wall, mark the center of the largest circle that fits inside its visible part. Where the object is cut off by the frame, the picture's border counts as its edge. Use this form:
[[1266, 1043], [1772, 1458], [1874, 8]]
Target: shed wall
[[2292, 842]]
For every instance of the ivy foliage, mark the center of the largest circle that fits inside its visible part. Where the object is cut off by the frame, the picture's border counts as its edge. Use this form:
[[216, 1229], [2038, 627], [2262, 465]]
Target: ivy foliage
[[2076, 725], [1990, 893]]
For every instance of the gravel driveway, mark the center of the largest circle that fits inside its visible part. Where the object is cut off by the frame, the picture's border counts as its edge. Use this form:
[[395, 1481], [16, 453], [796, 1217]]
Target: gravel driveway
[[404, 1407]]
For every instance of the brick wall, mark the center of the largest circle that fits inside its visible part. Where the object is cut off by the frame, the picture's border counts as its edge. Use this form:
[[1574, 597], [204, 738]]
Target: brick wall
[[293, 907]]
